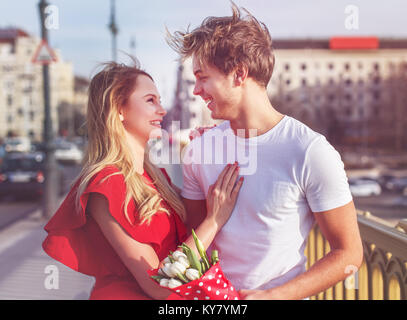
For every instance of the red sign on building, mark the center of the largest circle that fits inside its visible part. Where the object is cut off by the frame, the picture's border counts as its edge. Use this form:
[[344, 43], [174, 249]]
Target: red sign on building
[[353, 43]]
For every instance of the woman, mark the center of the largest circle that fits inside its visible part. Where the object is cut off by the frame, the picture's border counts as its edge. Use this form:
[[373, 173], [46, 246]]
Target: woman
[[123, 216]]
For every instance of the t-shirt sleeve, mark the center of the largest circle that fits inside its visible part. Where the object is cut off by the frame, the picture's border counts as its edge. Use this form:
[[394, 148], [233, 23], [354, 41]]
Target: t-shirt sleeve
[[324, 177], [191, 188]]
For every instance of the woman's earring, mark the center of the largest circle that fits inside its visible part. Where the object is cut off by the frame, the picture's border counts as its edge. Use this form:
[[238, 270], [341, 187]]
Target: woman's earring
[[121, 117]]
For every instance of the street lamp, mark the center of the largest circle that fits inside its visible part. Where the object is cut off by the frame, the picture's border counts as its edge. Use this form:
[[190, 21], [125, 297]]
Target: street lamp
[[113, 29], [50, 183]]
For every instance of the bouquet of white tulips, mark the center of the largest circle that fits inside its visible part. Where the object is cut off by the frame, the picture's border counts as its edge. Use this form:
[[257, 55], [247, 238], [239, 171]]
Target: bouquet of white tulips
[[193, 278]]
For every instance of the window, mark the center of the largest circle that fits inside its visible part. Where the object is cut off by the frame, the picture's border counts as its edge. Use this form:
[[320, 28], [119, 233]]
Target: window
[[331, 97], [9, 100], [347, 66], [331, 66], [287, 67], [303, 66], [376, 95]]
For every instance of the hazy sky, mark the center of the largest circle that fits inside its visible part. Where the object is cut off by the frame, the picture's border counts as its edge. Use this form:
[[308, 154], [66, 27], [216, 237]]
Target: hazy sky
[[84, 39]]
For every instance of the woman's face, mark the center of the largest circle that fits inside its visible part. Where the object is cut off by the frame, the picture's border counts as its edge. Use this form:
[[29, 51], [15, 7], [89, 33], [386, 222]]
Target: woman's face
[[143, 114]]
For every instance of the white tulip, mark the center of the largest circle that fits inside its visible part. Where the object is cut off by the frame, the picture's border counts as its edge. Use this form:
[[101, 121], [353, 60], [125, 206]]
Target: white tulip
[[164, 282], [178, 254], [173, 283], [177, 267], [183, 261], [192, 274], [167, 269], [166, 260]]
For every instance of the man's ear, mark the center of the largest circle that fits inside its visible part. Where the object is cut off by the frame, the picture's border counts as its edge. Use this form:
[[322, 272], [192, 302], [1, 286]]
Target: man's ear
[[241, 73]]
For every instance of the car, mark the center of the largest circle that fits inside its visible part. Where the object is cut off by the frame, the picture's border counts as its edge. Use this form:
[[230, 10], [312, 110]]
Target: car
[[22, 174], [68, 152], [17, 144], [364, 187], [2, 153], [397, 184]]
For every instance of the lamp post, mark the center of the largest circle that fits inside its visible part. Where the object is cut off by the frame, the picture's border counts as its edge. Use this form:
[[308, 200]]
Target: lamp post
[[50, 183], [113, 29]]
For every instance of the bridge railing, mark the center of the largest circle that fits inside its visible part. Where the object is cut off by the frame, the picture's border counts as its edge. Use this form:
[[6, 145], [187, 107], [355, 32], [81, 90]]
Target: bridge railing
[[383, 274]]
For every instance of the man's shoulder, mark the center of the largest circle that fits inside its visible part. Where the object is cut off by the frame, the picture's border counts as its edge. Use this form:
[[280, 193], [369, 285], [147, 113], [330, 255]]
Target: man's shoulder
[[299, 134]]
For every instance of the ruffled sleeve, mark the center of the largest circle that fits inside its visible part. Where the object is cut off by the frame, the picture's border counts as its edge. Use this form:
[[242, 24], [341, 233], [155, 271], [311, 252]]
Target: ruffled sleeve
[[75, 239]]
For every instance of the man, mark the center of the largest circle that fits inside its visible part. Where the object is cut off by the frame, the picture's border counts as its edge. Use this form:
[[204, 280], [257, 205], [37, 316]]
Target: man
[[293, 176]]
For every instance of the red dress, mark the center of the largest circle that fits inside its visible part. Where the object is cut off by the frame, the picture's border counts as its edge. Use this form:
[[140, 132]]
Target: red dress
[[75, 239]]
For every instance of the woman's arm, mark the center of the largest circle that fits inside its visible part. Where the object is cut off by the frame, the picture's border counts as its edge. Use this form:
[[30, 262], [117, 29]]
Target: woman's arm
[[139, 257], [220, 202]]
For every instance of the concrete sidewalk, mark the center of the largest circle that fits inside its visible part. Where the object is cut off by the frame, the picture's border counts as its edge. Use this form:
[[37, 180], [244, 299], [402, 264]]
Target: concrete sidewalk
[[23, 264]]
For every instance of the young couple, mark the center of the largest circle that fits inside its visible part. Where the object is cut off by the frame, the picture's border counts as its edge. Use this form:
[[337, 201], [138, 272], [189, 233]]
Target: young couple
[[123, 215]]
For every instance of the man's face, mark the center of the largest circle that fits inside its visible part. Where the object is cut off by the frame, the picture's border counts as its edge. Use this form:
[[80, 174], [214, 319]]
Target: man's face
[[216, 89]]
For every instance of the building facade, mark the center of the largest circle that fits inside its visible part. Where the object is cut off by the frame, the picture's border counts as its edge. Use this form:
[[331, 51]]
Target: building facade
[[353, 90], [21, 86]]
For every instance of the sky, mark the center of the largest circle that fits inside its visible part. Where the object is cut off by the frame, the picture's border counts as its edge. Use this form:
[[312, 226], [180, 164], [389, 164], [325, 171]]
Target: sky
[[83, 37]]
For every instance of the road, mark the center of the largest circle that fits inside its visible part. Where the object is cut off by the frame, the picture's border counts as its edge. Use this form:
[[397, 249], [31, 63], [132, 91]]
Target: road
[[13, 208], [389, 206]]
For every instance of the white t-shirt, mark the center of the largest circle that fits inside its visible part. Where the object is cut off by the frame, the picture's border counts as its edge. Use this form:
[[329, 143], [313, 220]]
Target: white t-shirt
[[289, 172]]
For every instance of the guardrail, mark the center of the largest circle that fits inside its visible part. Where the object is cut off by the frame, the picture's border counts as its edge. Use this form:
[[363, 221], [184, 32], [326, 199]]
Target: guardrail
[[383, 274]]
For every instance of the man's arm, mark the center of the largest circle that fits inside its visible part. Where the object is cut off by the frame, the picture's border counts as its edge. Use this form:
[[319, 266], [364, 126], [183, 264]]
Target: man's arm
[[340, 228]]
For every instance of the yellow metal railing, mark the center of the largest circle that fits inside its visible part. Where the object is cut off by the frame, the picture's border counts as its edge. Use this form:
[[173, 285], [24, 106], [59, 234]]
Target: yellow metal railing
[[383, 274]]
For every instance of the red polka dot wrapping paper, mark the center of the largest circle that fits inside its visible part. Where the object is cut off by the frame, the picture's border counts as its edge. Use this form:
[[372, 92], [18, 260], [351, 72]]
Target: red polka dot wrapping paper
[[213, 285]]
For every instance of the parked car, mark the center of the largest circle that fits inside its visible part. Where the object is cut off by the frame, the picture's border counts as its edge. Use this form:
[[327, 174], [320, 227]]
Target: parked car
[[2, 153], [397, 184], [364, 187], [23, 174], [17, 144], [68, 152]]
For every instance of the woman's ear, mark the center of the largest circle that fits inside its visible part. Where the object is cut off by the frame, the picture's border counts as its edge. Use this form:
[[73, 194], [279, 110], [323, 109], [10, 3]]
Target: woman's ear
[[121, 115]]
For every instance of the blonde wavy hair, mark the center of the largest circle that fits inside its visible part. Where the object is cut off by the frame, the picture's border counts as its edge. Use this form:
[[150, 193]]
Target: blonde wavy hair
[[108, 91]]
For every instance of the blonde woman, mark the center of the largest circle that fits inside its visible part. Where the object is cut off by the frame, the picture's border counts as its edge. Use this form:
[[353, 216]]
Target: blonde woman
[[123, 215]]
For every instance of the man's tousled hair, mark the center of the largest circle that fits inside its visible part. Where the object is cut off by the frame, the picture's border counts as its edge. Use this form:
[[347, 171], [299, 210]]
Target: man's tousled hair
[[228, 43]]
